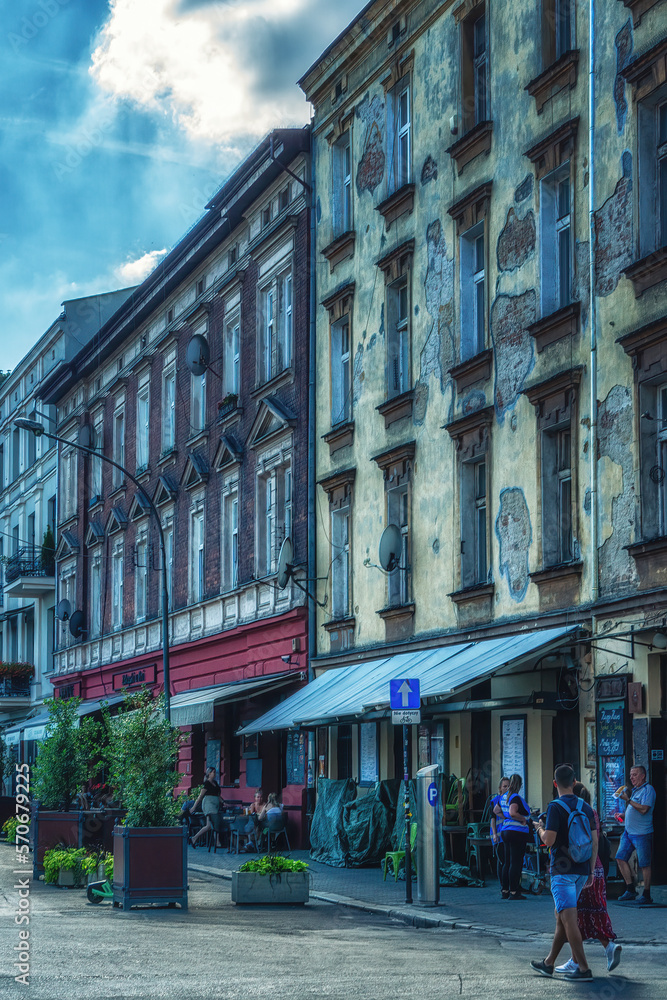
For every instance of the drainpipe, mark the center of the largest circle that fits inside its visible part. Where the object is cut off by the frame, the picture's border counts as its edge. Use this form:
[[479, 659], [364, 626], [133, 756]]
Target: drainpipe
[[592, 306], [312, 563]]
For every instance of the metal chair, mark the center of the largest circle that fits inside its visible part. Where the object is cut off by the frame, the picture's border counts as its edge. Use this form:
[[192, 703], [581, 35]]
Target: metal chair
[[274, 828], [396, 857], [216, 832], [238, 830]]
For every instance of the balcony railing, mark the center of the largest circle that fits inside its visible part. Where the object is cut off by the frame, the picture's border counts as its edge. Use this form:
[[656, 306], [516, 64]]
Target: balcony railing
[[29, 561], [14, 687]]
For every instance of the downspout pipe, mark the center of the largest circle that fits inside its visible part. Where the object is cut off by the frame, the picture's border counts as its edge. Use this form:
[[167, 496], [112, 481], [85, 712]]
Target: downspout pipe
[[312, 425], [592, 309]]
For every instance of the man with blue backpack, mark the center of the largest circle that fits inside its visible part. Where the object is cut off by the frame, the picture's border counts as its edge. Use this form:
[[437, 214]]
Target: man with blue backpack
[[570, 833]]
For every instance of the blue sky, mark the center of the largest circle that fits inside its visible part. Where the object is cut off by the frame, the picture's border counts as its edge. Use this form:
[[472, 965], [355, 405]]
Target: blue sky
[[118, 119]]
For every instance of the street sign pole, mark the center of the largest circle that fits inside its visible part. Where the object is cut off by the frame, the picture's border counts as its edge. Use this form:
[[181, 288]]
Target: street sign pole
[[408, 817]]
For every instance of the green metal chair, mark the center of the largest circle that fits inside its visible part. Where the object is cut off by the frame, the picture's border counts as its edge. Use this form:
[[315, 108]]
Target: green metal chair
[[396, 857]]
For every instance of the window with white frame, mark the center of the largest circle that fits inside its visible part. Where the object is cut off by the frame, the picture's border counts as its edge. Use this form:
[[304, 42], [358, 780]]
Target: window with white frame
[[96, 462], [276, 325], [341, 395], [398, 513], [168, 409], [230, 535], [69, 483], [399, 131], [398, 337], [342, 184], [232, 362], [340, 562], [118, 445], [95, 593], [557, 29], [474, 68], [117, 581], [197, 565], [473, 291], [652, 143], [168, 532], [198, 402], [474, 567], [274, 515], [143, 423], [67, 591], [141, 576], [555, 243]]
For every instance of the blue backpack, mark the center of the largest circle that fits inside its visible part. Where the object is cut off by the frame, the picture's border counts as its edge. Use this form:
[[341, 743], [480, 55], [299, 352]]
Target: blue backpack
[[580, 838]]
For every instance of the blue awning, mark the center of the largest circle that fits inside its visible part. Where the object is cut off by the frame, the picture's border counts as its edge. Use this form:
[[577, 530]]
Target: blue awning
[[349, 692], [35, 728]]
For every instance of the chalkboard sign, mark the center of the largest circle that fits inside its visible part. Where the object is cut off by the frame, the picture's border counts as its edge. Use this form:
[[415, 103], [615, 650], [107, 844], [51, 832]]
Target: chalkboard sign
[[611, 729], [296, 757], [640, 752]]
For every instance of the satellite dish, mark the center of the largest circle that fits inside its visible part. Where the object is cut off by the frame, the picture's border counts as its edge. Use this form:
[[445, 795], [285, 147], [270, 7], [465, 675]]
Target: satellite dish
[[198, 355], [76, 624], [391, 546], [86, 436], [63, 610], [285, 563]]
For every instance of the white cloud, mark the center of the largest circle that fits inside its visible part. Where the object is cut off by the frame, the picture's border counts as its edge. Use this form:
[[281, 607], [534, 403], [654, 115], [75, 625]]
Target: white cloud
[[134, 271], [220, 70]]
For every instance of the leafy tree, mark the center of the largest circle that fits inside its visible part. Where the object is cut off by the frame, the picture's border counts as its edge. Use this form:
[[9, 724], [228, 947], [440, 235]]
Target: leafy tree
[[48, 552], [142, 755], [67, 755]]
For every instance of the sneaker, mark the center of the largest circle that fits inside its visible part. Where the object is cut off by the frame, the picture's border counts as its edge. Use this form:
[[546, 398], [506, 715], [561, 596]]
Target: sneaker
[[579, 976], [627, 896], [645, 900], [543, 969], [569, 966], [613, 956]]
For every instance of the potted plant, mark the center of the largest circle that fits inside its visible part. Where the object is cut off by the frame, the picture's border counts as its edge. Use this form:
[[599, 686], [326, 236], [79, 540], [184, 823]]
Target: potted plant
[[48, 552], [271, 879], [64, 866], [98, 866], [150, 849], [227, 404], [9, 829], [63, 765]]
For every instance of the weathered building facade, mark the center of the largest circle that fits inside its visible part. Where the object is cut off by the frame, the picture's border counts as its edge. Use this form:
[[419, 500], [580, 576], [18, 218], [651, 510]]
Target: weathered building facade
[[476, 390], [221, 453]]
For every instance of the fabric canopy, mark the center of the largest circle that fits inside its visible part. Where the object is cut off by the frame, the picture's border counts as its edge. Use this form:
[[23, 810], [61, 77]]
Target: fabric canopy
[[35, 728], [349, 692], [191, 707]]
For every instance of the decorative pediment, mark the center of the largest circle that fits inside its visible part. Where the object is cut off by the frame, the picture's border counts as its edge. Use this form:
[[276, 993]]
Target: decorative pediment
[[195, 472], [94, 534], [117, 521], [272, 419], [67, 546], [139, 507], [228, 453], [165, 491]]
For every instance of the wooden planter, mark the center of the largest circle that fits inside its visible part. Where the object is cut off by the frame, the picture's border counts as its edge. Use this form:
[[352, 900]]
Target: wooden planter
[[150, 866], [51, 829], [283, 888]]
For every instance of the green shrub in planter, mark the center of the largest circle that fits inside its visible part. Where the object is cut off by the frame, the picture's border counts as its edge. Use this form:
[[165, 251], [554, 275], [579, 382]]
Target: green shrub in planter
[[92, 864], [271, 880], [9, 828], [273, 864], [65, 859]]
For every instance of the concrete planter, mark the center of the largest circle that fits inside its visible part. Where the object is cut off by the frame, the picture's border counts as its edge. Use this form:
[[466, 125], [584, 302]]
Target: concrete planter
[[98, 875], [289, 888], [70, 878], [150, 865]]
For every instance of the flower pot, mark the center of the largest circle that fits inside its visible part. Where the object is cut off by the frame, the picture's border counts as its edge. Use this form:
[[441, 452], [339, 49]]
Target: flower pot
[[150, 866], [98, 875], [290, 888], [70, 878]]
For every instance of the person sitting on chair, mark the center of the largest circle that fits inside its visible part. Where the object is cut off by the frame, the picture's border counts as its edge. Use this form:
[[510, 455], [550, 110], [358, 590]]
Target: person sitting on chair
[[271, 810]]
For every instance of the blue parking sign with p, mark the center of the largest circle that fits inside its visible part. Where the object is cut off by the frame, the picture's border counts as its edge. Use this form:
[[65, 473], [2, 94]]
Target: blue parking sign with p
[[432, 794]]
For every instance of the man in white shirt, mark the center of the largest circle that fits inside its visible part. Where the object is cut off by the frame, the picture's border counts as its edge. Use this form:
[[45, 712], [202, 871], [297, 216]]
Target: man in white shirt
[[638, 834]]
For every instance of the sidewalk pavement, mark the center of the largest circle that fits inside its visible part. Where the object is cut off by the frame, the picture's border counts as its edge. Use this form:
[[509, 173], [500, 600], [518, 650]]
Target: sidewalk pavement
[[462, 908]]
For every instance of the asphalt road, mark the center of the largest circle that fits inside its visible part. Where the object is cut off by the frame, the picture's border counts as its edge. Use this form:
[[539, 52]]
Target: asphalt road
[[218, 950]]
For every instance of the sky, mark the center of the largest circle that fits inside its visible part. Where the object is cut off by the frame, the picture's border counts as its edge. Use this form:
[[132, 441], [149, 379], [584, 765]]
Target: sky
[[118, 120]]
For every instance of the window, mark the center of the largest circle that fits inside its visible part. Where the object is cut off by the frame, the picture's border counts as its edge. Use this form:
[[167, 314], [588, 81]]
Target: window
[[232, 363], [143, 418], [341, 397], [557, 29], [96, 464], [197, 553], [230, 538], [198, 402], [400, 137], [474, 69], [340, 562], [2, 466], [69, 496], [283, 199], [141, 577], [473, 295], [473, 523], [274, 515], [95, 595], [555, 244], [398, 338], [201, 285], [342, 181], [32, 449], [168, 531], [117, 586], [16, 453], [653, 172], [398, 514], [168, 410], [276, 330], [118, 446]]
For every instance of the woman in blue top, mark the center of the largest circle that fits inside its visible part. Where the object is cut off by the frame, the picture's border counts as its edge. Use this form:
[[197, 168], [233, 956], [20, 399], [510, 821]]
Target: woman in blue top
[[516, 814], [497, 826]]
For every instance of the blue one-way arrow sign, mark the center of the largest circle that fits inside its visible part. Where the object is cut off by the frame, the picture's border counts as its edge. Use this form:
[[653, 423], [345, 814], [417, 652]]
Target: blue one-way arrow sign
[[404, 693]]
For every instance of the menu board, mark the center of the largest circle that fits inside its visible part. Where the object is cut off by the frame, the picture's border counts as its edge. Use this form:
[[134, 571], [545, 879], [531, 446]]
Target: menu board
[[297, 745], [640, 754], [612, 776], [513, 747], [611, 729], [368, 753]]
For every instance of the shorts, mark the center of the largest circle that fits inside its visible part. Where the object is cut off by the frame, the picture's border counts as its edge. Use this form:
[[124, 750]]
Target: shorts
[[642, 843], [566, 889], [210, 805]]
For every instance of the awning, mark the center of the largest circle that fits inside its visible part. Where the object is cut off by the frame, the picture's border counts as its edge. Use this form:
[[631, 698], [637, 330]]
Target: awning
[[190, 707], [349, 692], [35, 728], [11, 739]]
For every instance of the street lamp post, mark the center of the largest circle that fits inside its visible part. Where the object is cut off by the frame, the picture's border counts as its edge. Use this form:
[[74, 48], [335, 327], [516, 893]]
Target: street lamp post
[[38, 430]]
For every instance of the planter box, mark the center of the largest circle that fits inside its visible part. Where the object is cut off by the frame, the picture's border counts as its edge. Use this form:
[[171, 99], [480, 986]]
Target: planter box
[[98, 875], [150, 866], [70, 878], [51, 829], [283, 888]]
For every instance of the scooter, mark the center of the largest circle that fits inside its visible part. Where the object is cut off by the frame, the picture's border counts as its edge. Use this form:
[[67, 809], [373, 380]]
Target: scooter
[[100, 891]]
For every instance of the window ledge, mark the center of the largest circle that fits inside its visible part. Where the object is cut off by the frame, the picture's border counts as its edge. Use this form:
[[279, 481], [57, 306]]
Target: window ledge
[[340, 249], [337, 623], [68, 520], [399, 621], [478, 591], [143, 474], [401, 202], [561, 74], [95, 503], [648, 271], [557, 572], [118, 491], [558, 586], [639, 8], [397, 407], [229, 414], [475, 369], [266, 388], [650, 556], [397, 611], [167, 457], [339, 437], [198, 439], [473, 604], [558, 325], [477, 140]]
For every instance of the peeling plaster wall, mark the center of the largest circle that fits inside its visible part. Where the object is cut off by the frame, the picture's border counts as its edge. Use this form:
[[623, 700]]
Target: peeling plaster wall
[[615, 436], [613, 233], [516, 242], [370, 168], [437, 354], [513, 350], [514, 533]]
